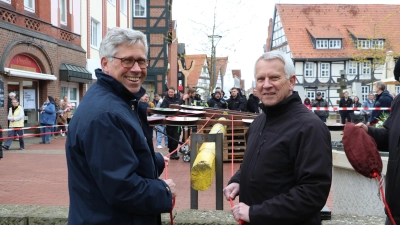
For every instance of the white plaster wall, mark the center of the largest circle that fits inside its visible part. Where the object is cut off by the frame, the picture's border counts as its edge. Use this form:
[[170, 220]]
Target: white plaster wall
[[84, 25], [96, 13], [299, 66], [76, 11], [123, 20], [54, 12], [111, 15]]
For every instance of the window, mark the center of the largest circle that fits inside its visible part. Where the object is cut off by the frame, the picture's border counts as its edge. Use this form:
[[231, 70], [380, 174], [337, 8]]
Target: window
[[123, 6], [139, 8], [335, 44], [325, 69], [310, 94], [368, 44], [377, 44], [364, 44], [112, 2], [308, 69], [278, 35], [364, 93], [353, 68], [397, 90], [95, 33], [366, 68], [321, 44], [63, 12], [29, 5], [71, 93]]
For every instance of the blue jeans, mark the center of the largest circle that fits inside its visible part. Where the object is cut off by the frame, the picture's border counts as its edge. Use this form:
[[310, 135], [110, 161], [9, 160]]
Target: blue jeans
[[14, 133], [47, 129], [159, 136]]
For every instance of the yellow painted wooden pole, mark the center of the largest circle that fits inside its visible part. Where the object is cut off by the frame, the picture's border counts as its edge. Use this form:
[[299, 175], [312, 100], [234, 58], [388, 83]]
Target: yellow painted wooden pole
[[203, 169]]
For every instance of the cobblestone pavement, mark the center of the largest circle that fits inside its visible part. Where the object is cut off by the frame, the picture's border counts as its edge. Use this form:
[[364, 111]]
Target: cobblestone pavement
[[38, 176]]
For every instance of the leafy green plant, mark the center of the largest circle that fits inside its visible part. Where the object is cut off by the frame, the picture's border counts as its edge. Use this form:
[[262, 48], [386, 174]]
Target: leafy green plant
[[381, 120]]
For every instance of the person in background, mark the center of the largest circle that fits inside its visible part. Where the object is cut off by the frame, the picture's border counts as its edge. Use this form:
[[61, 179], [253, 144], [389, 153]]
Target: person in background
[[145, 98], [382, 99], [11, 97], [61, 122], [188, 98], [216, 101], [198, 100], [113, 171], [58, 109], [307, 103], [67, 107], [320, 102], [345, 101], [16, 117], [356, 114], [236, 101], [159, 135], [253, 102], [173, 132], [286, 173], [47, 118], [156, 99], [369, 103]]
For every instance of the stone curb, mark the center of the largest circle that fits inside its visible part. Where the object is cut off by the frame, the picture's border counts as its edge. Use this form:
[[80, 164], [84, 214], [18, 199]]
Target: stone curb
[[58, 215]]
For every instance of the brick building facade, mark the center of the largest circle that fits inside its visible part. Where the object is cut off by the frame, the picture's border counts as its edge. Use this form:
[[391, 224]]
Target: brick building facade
[[40, 54]]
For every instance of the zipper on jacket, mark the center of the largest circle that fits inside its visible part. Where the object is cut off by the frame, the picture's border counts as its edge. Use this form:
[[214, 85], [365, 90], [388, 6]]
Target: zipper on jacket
[[257, 156]]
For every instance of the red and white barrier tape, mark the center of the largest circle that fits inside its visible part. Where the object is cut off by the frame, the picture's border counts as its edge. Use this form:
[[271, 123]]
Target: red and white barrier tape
[[31, 128], [347, 108]]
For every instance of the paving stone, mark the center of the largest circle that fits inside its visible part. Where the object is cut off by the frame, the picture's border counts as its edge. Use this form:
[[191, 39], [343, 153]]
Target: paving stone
[[15, 214], [49, 215], [354, 220], [204, 217]]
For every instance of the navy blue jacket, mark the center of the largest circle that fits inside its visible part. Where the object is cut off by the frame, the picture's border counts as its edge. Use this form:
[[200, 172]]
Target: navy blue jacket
[[382, 100], [112, 168]]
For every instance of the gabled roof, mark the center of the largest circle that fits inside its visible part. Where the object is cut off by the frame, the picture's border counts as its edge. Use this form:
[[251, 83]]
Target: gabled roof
[[222, 63], [303, 21], [237, 73], [198, 63]]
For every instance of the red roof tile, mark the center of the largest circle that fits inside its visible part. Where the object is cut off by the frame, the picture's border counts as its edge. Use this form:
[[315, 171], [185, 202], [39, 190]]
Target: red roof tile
[[324, 20]]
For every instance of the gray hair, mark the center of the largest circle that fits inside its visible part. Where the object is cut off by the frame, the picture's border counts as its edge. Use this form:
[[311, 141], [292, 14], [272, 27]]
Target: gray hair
[[120, 36], [289, 67], [381, 85], [12, 94]]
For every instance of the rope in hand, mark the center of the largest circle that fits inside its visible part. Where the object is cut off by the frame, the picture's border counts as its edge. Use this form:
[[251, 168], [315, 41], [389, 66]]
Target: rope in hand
[[376, 175], [232, 156], [166, 166]]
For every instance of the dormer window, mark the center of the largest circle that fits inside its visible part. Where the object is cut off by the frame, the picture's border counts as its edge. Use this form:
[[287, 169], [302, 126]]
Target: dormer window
[[328, 44], [370, 44]]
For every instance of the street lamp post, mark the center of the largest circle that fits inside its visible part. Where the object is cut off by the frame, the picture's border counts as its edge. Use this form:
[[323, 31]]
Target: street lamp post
[[214, 41]]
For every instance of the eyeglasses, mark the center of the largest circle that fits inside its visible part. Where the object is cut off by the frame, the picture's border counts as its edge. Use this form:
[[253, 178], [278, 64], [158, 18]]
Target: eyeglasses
[[129, 62]]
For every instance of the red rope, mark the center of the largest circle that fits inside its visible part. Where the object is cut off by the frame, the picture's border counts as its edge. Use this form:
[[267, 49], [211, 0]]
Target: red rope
[[232, 156], [166, 166], [376, 175]]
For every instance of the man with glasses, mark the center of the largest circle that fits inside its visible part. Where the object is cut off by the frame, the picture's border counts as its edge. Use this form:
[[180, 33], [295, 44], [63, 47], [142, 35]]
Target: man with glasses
[[112, 167]]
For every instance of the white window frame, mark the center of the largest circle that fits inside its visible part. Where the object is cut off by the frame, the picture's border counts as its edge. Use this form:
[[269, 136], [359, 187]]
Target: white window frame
[[95, 34], [397, 90], [377, 44], [311, 95], [325, 69], [364, 93], [64, 22], [134, 8], [113, 2], [8, 1], [364, 44], [335, 44], [322, 44], [309, 69], [353, 68], [28, 8], [123, 5], [365, 68]]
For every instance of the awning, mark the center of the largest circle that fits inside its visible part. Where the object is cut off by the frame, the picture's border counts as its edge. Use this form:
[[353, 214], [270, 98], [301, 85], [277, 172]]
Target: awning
[[27, 74], [73, 73]]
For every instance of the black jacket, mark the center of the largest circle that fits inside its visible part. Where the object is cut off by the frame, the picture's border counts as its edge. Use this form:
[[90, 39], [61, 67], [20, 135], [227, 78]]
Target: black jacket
[[382, 100], [389, 140], [238, 103], [286, 172], [217, 103], [345, 103], [320, 103], [112, 167], [168, 100], [252, 104]]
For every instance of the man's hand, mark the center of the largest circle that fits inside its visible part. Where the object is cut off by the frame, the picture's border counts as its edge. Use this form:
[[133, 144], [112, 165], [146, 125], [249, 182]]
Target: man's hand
[[231, 191], [367, 124], [363, 126], [171, 186], [241, 212]]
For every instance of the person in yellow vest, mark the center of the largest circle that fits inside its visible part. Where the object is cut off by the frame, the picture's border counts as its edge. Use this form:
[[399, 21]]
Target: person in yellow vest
[[16, 117]]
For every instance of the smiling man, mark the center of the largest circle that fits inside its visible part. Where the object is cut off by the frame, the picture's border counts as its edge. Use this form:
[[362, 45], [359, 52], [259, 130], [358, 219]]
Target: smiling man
[[286, 172], [112, 167]]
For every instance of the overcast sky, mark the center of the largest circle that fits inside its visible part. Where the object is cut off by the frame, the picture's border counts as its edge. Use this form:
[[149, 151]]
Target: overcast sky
[[242, 24]]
